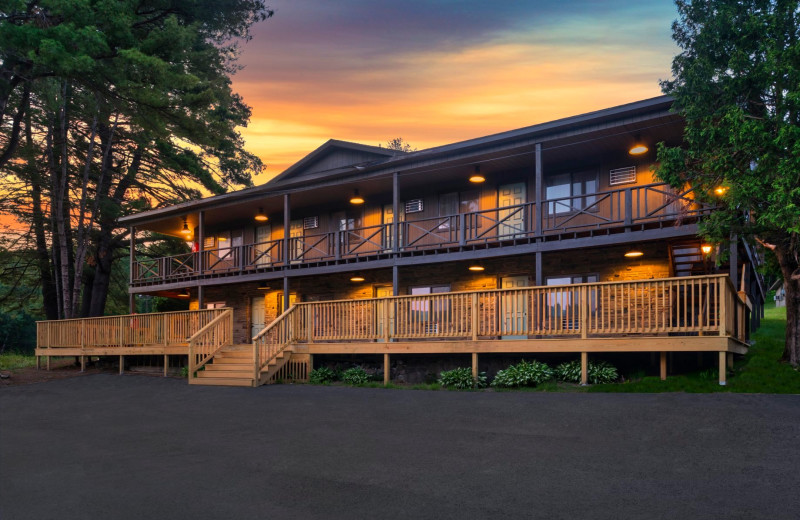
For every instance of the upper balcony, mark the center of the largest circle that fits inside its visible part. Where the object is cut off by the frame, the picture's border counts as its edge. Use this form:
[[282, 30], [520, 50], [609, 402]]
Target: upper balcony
[[617, 210]]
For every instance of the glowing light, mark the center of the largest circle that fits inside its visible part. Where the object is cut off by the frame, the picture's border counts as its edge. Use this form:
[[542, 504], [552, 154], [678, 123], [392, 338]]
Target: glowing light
[[706, 248], [261, 216], [638, 149], [634, 253], [356, 198], [721, 190], [476, 268], [186, 231], [357, 278]]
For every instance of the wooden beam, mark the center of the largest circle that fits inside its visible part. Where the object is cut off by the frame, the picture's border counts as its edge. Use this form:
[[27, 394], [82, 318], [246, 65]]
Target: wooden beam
[[166, 364], [200, 298], [201, 238], [723, 369], [584, 368], [121, 364], [474, 365], [285, 293], [663, 366], [387, 371], [395, 213], [287, 215], [539, 277], [395, 280], [83, 363], [733, 259], [538, 183]]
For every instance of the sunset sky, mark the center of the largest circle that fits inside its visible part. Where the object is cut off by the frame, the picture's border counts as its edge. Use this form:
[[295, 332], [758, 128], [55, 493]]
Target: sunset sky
[[440, 71]]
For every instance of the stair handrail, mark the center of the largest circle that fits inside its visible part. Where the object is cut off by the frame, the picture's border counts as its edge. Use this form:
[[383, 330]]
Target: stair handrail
[[264, 352], [220, 333]]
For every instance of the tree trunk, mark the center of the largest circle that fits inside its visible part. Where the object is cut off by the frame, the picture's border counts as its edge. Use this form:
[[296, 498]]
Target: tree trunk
[[791, 276]]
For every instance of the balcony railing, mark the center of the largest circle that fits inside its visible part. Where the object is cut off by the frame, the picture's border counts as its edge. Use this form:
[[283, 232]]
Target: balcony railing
[[627, 207]]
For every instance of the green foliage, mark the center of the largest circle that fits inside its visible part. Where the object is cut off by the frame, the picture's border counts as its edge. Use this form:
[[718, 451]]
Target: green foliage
[[17, 332], [461, 379], [597, 372], [737, 83], [355, 376], [524, 373], [321, 376]]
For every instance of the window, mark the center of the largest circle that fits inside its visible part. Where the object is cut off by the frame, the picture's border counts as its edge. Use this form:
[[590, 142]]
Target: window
[[573, 191], [429, 312], [223, 244], [451, 204]]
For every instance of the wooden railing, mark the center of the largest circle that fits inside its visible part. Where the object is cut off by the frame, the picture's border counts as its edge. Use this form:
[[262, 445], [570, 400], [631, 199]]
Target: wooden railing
[[207, 341], [283, 331], [699, 305], [129, 330], [625, 207]]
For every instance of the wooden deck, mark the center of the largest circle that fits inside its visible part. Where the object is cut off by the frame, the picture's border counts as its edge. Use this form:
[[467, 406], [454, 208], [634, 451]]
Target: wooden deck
[[688, 314]]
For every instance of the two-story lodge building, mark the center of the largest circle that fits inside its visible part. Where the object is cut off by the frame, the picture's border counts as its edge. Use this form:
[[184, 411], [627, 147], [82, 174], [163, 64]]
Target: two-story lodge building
[[550, 238]]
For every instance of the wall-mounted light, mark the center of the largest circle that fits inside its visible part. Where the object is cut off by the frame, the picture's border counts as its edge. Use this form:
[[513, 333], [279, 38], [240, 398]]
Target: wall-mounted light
[[186, 231], [357, 278], [261, 216], [476, 177], [706, 249], [633, 253], [477, 268], [721, 190], [356, 198]]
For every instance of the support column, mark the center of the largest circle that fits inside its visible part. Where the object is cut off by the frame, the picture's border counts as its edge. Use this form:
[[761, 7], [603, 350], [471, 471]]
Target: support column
[[539, 277], [386, 370], [395, 213], [200, 297], [538, 189], [287, 216], [584, 368], [131, 303], [723, 369], [166, 364], [663, 366], [47, 363], [121, 364], [285, 293], [395, 280], [201, 238], [475, 365], [83, 363]]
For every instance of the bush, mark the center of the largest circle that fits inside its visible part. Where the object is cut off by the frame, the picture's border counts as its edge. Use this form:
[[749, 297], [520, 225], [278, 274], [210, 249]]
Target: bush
[[355, 376], [321, 376], [523, 373], [598, 373], [461, 378]]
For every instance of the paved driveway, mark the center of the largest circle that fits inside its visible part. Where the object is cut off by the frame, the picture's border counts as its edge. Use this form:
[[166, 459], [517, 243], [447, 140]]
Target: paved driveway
[[118, 447]]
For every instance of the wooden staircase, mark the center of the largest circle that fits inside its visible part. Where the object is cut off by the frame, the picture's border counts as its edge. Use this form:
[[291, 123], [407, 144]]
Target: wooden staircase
[[234, 366], [687, 258]]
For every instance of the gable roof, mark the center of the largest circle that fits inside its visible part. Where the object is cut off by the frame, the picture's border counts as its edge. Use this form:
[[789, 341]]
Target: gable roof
[[335, 154]]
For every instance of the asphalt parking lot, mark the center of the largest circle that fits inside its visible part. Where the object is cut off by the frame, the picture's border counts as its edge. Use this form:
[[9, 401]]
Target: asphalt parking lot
[[119, 447]]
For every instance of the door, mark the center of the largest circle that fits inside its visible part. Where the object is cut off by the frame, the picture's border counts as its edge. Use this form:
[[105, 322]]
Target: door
[[388, 231], [514, 306], [257, 315], [512, 220], [262, 251], [384, 291], [296, 244]]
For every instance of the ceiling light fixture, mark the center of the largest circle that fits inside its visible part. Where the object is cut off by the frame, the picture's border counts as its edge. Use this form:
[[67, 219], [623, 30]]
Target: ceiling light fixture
[[357, 278], [186, 231], [633, 253], [356, 198], [476, 177], [638, 147], [476, 268], [261, 216]]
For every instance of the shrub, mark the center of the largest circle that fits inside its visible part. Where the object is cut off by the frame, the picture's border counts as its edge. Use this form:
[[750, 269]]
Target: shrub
[[598, 373], [461, 378], [355, 376], [321, 375], [523, 373]]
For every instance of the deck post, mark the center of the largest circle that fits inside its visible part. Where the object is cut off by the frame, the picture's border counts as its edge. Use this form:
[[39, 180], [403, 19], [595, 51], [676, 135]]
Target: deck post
[[539, 278], [166, 364], [722, 369], [476, 310], [386, 323], [310, 323], [200, 298], [729, 360], [475, 366], [201, 238], [663, 366], [121, 364], [83, 363], [386, 369], [723, 307], [538, 197], [47, 362], [395, 280], [584, 368], [584, 312], [628, 208], [132, 254], [462, 225], [285, 293]]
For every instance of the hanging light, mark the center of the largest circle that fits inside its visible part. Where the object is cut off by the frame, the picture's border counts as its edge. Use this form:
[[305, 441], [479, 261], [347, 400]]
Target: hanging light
[[261, 216], [476, 177], [357, 277], [186, 231], [356, 198], [706, 249], [633, 253], [638, 147], [476, 267]]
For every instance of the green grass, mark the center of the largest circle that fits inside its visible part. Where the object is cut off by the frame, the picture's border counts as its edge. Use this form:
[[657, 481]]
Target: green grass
[[759, 371], [12, 361]]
